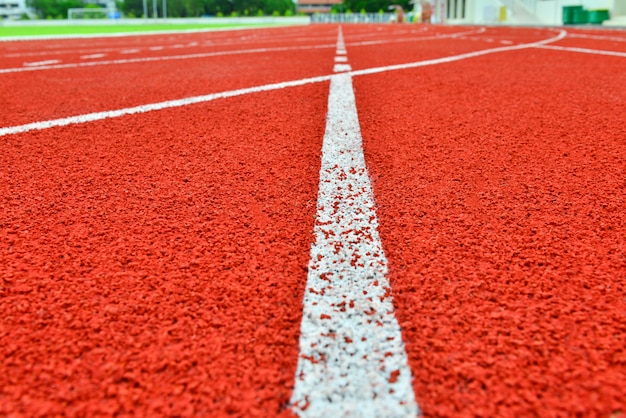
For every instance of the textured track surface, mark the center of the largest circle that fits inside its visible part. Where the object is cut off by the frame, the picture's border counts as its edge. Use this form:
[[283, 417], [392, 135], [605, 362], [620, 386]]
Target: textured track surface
[[505, 233], [155, 264]]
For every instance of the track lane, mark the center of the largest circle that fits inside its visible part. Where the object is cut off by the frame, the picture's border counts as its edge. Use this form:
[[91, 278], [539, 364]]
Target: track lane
[[452, 379], [78, 91], [501, 212], [155, 264], [461, 40], [594, 44]]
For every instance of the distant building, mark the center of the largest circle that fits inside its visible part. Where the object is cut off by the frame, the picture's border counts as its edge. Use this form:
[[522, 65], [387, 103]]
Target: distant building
[[310, 7], [13, 9]]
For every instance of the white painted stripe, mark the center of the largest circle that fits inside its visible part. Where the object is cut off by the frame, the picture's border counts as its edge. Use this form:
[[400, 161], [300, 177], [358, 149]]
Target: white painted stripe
[[454, 58], [352, 361], [40, 63], [200, 99], [214, 54], [506, 42], [92, 56], [155, 48], [341, 45], [583, 50], [599, 37], [340, 68], [341, 59], [161, 58], [92, 117]]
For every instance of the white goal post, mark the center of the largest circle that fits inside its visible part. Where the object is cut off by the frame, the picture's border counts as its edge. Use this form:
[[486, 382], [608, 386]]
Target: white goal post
[[89, 13]]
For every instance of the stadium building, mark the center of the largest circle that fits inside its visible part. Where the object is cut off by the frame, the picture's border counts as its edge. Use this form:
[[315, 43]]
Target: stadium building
[[13, 9]]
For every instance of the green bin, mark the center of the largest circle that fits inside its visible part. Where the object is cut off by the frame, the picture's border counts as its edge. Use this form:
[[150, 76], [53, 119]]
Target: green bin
[[568, 14], [597, 16], [580, 17]]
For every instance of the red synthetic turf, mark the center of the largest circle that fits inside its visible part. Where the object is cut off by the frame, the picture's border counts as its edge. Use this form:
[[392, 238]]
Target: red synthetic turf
[[76, 91], [419, 50], [501, 199], [80, 56], [133, 250], [155, 265]]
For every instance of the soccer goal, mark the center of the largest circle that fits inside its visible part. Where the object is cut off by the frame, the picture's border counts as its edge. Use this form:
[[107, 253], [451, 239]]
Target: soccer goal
[[88, 13]]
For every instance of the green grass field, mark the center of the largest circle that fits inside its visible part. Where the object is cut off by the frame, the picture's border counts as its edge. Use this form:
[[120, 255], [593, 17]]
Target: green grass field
[[69, 29]]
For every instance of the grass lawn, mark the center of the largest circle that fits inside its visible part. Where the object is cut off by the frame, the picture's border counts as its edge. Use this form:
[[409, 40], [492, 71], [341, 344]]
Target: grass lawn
[[115, 28]]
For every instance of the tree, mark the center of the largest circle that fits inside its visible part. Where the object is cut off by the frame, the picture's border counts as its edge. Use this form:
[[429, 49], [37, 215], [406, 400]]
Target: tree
[[196, 8], [373, 6], [53, 8]]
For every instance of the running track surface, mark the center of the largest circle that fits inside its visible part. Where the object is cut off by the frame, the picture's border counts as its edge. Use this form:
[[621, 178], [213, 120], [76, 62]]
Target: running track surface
[[155, 263]]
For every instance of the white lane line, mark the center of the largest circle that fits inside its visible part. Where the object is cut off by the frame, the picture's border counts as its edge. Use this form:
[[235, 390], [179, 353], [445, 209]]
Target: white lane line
[[506, 42], [454, 58], [583, 50], [341, 45], [352, 361], [40, 63], [599, 37], [340, 68], [92, 56], [212, 54], [341, 59], [162, 58], [155, 48], [458, 35], [90, 117]]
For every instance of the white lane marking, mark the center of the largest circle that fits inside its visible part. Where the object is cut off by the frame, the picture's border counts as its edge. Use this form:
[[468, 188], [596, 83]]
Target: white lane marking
[[352, 361], [339, 68], [212, 54], [341, 45], [436, 37], [90, 117], [162, 58], [506, 42], [459, 57], [92, 56], [40, 63], [341, 59], [599, 37], [583, 50], [155, 48]]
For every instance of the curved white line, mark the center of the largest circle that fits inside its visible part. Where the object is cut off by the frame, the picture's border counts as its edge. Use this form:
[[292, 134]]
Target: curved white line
[[90, 117], [221, 53]]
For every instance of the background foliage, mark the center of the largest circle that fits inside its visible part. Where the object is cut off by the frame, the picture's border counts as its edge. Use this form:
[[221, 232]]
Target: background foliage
[[371, 6], [57, 9]]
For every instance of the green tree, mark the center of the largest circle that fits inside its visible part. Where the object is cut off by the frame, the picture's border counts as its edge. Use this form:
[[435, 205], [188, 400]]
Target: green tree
[[196, 8], [46, 9], [373, 6]]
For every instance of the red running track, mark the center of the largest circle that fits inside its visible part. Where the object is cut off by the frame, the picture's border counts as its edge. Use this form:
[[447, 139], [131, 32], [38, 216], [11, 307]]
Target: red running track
[[155, 264]]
